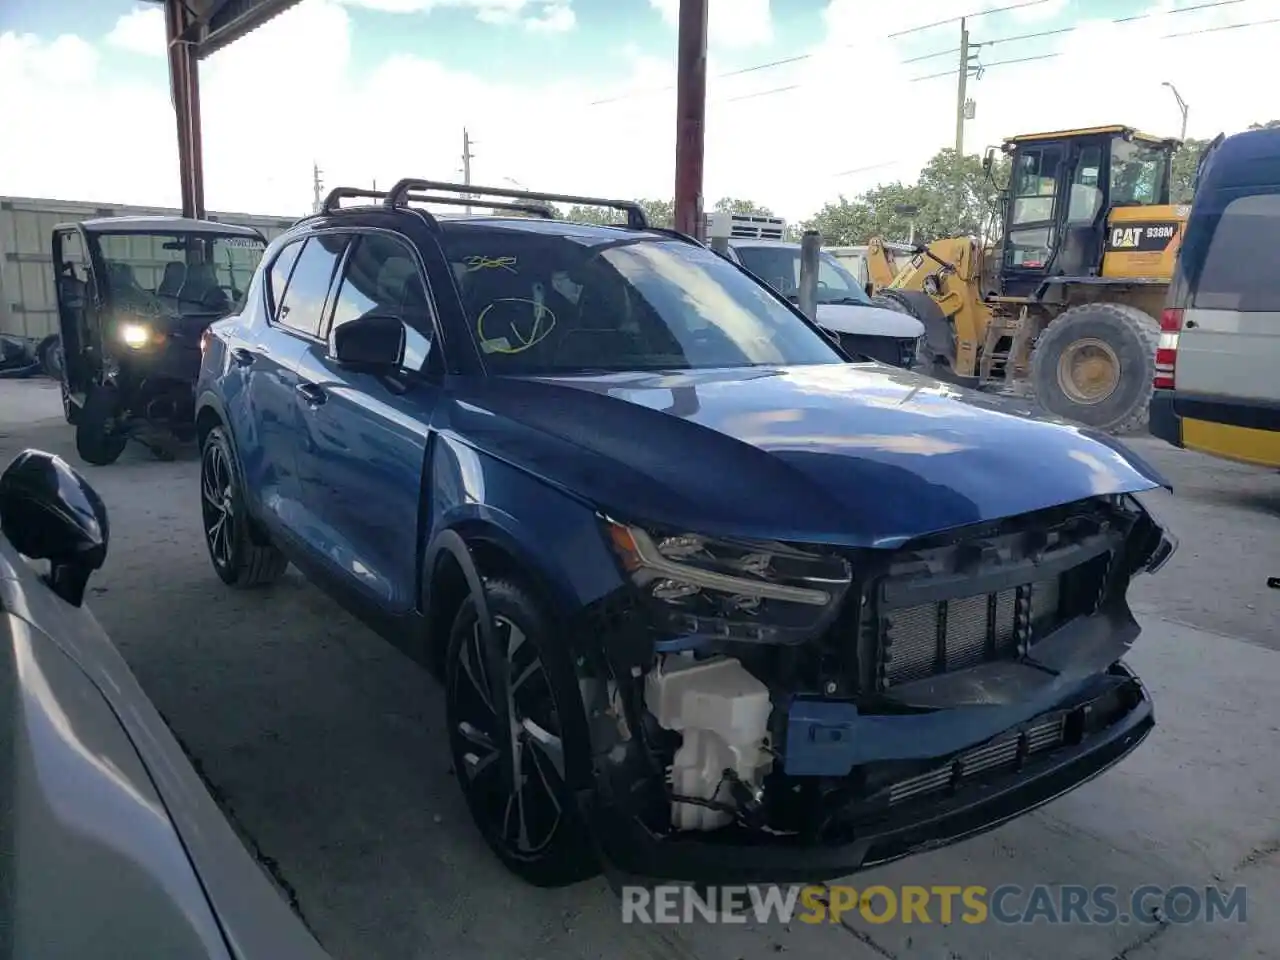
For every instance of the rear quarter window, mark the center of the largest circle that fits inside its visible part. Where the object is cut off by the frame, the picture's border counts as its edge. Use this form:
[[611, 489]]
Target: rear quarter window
[[1239, 268]]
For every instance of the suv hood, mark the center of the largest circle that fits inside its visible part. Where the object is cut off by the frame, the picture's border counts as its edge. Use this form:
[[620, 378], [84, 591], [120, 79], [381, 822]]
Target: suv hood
[[868, 321], [851, 454]]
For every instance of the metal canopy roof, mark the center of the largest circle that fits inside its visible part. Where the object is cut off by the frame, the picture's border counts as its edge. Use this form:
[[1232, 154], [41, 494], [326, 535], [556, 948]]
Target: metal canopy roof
[[213, 24]]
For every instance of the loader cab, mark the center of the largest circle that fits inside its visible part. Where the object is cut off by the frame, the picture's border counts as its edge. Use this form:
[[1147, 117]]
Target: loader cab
[[1060, 200]]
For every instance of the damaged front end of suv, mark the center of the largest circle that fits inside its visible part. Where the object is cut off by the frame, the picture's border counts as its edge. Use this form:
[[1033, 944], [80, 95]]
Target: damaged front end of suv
[[771, 712]]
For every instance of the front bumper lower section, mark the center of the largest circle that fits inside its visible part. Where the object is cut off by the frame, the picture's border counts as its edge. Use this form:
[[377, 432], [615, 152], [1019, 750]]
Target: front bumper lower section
[[950, 799]]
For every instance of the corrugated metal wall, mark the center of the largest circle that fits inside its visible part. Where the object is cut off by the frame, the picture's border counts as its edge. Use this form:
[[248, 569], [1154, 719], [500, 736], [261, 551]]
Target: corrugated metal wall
[[27, 307]]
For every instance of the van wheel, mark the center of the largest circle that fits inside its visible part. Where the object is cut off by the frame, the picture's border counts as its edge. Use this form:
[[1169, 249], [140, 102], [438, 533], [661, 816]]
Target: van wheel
[[241, 556], [1095, 364], [515, 777], [99, 437]]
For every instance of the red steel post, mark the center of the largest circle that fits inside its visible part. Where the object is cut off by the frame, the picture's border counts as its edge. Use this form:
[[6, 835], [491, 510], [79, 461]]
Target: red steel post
[[691, 109]]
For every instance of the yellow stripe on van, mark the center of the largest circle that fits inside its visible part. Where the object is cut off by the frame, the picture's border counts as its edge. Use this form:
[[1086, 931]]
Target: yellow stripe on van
[[1260, 447]]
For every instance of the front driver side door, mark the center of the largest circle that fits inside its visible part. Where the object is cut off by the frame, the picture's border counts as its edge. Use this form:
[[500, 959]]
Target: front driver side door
[[363, 446]]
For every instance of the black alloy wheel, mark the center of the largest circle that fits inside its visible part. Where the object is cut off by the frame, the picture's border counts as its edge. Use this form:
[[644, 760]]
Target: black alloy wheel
[[507, 740], [238, 556]]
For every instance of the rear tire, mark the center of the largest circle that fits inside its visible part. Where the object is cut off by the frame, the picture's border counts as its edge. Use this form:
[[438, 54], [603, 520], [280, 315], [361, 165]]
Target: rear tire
[[929, 360], [534, 828], [70, 412], [99, 440], [240, 554], [1121, 338]]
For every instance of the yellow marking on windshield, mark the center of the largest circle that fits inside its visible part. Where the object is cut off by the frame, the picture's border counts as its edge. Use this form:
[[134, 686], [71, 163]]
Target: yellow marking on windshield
[[544, 321], [479, 262]]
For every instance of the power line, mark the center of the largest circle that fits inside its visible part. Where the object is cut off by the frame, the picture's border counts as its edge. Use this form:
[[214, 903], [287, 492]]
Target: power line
[[1211, 4], [967, 16], [798, 58], [1167, 36], [760, 93], [1072, 29], [1229, 26]]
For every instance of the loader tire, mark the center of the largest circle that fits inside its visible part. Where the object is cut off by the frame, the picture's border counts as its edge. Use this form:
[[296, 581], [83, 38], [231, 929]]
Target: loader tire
[[1095, 363], [934, 354]]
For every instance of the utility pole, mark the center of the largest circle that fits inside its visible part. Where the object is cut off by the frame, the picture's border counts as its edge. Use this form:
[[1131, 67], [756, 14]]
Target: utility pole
[[691, 109], [316, 186], [968, 68], [467, 156]]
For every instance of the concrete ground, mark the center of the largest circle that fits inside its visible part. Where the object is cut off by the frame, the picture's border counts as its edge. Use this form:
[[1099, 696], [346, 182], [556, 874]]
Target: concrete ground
[[327, 749]]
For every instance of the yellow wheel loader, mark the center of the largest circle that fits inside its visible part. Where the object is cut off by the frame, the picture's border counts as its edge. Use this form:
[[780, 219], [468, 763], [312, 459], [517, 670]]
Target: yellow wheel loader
[[1070, 295]]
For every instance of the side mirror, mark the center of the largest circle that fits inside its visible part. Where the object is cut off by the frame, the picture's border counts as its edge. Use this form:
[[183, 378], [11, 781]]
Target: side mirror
[[988, 160], [373, 343], [869, 288], [49, 512]]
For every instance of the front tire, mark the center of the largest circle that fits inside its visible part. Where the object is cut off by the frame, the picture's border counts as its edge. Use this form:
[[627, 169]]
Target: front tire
[[99, 438], [1095, 364], [238, 558], [516, 779]]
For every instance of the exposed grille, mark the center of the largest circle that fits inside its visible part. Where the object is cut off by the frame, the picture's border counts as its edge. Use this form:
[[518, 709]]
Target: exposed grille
[[900, 352], [932, 638], [1000, 754]]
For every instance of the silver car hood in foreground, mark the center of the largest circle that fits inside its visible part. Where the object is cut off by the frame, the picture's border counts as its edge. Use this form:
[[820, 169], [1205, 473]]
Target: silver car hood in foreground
[[113, 845], [868, 321]]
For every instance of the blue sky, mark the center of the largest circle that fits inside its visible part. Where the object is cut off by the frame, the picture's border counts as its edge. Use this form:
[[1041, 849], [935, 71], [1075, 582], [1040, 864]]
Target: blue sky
[[379, 88]]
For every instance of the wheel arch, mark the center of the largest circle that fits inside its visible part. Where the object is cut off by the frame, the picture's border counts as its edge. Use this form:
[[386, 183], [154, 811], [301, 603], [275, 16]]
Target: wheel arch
[[473, 547]]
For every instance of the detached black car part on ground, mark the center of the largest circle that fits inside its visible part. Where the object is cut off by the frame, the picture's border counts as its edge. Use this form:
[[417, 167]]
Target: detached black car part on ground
[[709, 600]]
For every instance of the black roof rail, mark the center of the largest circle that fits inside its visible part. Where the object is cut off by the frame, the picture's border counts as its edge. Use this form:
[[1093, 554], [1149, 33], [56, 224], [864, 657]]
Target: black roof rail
[[338, 194], [400, 193]]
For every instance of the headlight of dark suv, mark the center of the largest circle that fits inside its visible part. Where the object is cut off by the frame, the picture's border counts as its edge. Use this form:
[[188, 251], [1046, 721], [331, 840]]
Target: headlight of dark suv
[[733, 590]]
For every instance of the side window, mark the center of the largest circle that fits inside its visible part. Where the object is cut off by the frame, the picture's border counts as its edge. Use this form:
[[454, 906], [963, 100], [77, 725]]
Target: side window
[[75, 268], [382, 277], [278, 277], [1239, 266], [303, 303], [1035, 185], [1086, 197]]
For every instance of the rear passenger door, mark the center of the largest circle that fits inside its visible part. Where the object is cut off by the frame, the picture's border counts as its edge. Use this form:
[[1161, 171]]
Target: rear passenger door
[[363, 438], [1229, 347]]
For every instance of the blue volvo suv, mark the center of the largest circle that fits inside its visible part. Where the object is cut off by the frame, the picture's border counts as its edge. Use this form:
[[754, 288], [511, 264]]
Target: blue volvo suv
[[709, 598]]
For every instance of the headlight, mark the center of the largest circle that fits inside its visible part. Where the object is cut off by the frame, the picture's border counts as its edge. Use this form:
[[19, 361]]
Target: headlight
[[1158, 506], [753, 592], [135, 334]]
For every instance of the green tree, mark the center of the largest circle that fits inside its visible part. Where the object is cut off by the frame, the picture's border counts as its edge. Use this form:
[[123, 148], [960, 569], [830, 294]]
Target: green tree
[[747, 207], [951, 197], [1186, 160], [1182, 180]]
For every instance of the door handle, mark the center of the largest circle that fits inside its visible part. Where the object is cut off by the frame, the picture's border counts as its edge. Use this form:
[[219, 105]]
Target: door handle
[[243, 357], [312, 393]]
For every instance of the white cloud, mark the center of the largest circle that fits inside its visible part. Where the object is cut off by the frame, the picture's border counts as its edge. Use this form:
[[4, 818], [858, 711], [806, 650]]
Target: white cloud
[[555, 18], [731, 24], [141, 30], [852, 109], [545, 16]]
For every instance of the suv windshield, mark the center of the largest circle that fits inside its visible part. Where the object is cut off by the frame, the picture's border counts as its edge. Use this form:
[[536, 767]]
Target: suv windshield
[[552, 304], [780, 268], [185, 273]]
